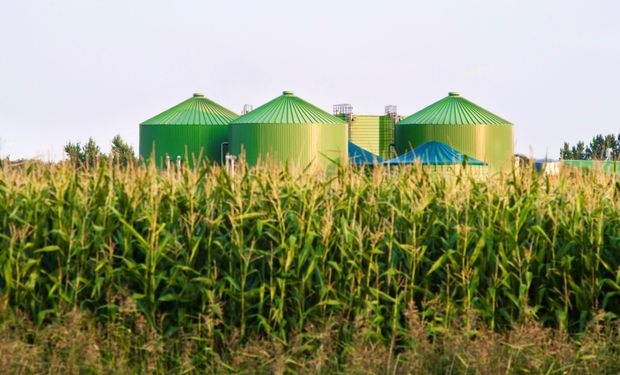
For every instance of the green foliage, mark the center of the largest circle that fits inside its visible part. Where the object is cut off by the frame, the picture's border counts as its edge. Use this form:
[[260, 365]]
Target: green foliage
[[92, 153], [75, 153], [87, 155], [272, 254], [596, 150], [122, 152]]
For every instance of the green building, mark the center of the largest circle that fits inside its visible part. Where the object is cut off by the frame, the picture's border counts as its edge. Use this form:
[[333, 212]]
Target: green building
[[289, 129], [462, 125], [372, 132], [196, 128]]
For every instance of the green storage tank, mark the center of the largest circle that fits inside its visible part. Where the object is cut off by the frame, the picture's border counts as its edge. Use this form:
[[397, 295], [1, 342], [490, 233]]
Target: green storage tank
[[371, 132], [462, 125], [289, 129], [194, 128]]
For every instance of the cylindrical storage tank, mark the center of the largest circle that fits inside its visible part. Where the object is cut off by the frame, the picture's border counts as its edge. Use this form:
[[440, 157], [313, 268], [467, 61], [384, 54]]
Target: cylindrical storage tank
[[371, 132], [462, 125], [195, 128], [289, 129]]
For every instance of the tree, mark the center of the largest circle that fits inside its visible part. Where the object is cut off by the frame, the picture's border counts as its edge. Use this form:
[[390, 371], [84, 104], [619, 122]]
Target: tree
[[596, 148], [609, 143], [87, 155], [565, 152], [74, 153], [122, 153], [579, 151], [92, 152]]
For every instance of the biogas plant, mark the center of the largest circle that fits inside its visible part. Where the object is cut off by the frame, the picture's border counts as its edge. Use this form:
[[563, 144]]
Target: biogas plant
[[291, 130]]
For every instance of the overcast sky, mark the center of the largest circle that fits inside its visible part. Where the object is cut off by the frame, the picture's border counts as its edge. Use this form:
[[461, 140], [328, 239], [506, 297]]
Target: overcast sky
[[70, 69]]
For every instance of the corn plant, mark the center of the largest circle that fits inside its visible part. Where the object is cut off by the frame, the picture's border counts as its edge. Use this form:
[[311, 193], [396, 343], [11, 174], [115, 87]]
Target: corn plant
[[272, 252]]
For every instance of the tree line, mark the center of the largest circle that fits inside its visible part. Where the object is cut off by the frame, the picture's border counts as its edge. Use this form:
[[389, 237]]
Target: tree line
[[89, 154], [600, 148]]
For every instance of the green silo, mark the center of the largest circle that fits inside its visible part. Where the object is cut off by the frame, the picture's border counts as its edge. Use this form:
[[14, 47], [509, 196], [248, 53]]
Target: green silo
[[462, 125], [289, 129], [196, 127]]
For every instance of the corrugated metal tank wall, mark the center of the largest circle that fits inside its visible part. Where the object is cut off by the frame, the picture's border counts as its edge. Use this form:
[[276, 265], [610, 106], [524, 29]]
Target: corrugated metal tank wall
[[193, 141], [490, 143], [193, 129], [295, 143], [373, 133], [289, 129], [386, 137], [453, 170], [464, 126], [365, 132]]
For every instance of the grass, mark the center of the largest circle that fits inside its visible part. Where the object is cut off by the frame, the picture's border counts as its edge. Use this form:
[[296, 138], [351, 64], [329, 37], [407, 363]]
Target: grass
[[273, 270]]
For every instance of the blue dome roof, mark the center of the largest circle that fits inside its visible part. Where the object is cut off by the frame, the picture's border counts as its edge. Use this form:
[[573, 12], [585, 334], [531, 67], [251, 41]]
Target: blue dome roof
[[434, 153], [360, 156]]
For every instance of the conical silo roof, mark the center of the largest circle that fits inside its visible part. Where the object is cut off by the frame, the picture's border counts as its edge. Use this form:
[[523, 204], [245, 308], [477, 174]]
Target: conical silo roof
[[196, 110], [288, 109], [453, 110]]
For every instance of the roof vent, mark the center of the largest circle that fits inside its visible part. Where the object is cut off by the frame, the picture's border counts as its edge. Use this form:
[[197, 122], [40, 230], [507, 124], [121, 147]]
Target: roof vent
[[247, 108], [454, 93], [199, 95], [287, 93]]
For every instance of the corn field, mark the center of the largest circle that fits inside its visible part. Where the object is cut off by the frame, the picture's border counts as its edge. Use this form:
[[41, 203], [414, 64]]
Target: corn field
[[280, 256]]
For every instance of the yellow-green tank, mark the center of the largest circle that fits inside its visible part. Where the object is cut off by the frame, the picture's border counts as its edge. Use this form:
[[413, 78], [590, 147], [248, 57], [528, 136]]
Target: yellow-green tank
[[462, 125], [372, 132], [289, 130]]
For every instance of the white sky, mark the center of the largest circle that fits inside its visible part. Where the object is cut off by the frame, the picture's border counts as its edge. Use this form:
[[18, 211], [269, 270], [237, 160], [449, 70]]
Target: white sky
[[70, 69]]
